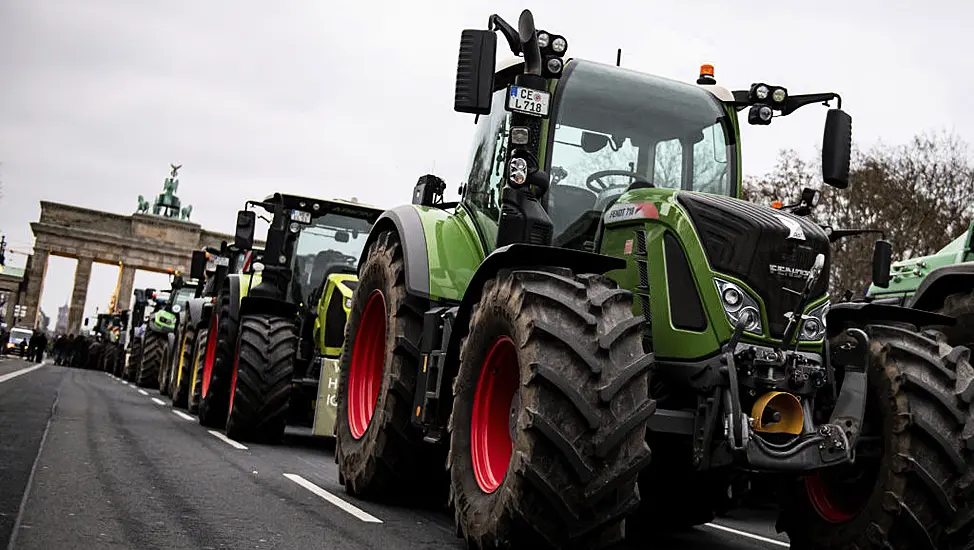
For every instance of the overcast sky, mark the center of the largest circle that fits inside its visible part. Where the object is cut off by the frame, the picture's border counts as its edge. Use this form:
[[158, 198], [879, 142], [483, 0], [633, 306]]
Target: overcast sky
[[341, 99]]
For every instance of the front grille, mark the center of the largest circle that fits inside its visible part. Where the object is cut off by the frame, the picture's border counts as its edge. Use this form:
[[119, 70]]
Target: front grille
[[744, 240]]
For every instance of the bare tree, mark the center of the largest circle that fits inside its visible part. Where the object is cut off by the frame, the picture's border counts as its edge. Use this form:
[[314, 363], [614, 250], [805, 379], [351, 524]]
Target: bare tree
[[921, 194]]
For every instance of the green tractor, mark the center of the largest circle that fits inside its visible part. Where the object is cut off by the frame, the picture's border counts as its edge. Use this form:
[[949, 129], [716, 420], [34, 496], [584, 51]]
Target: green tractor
[[600, 291], [271, 377], [106, 353], [161, 334], [942, 282]]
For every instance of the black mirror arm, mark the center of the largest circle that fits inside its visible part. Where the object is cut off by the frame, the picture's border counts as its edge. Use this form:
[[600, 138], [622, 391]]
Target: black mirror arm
[[795, 102], [497, 23], [742, 99]]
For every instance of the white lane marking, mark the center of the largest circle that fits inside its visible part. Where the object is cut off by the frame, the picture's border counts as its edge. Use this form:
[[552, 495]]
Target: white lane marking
[[183, 415], [143, 392], [357, 512], [158, 401], [748, 535], [16, 373], [228, 441]]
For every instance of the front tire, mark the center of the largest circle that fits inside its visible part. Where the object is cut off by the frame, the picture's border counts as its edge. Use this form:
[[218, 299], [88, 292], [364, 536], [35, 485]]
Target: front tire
[[919, 495], [550, 409], [199, 358], [153, 356], [183, 375], [134, 360], [379, 454], [218, 366], [261, 382]]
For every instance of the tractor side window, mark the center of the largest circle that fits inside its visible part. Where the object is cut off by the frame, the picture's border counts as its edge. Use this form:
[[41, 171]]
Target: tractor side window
[[668, 169], [707, 149], [482, 192]]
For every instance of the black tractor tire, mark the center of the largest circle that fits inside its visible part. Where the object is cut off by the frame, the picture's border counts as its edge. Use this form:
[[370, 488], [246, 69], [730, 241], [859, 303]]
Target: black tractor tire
[[961, 307], [134, 360], [389, 461], [182, 376], [153, 357], [577, 412], [196, 380], [920, 391], [215, 404], [165, 372], [266, 347]]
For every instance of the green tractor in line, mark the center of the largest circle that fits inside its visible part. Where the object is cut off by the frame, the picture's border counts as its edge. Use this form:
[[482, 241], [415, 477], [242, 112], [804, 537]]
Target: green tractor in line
[[942, 282], [266, 371], [106, 353], [600, 291], [161, 334]]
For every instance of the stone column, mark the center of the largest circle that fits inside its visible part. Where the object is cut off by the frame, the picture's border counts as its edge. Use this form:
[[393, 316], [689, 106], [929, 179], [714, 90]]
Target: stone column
[[35, 286], [13, 299], [76, 309], [125, 288]]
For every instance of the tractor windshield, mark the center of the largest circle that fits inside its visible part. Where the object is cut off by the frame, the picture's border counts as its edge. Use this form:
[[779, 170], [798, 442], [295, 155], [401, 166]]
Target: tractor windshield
[[614, 127], [331, 244]]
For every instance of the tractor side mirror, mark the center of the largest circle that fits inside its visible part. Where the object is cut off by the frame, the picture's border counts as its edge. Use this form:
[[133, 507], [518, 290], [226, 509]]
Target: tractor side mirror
[[837, 148], [593, 143], [475, 72], [197, 268], [243, 238], [882, 262]]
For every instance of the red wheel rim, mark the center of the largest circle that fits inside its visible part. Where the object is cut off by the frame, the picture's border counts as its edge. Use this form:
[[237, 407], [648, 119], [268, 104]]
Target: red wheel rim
[[210, 354], [825, 501], [490, 426], [368, 360], [233, 378]]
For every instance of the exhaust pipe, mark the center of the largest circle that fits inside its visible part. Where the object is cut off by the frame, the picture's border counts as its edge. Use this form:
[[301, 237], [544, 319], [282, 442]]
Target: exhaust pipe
[[529, 43]]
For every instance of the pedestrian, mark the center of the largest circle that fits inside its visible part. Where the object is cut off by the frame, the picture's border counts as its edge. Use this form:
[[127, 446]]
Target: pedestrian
[[41, 346], [23, 349]]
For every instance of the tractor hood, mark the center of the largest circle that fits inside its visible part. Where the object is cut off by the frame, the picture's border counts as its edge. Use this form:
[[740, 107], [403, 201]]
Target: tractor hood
[[769, 250]]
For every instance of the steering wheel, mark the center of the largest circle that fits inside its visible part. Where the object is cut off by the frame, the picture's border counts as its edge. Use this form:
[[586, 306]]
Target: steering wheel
[[596, 185]]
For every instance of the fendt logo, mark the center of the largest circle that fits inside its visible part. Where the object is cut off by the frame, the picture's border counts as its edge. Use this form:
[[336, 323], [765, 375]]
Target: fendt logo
[[786, 271], [795, 230]]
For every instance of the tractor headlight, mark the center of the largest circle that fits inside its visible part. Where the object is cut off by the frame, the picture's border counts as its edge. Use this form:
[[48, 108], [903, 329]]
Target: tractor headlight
[[779, 95], [176, 308], [554, 65], [348, 303], [813, 326], [761, 92], [518, 171], [739, 306], [543, 39], [559, 45]]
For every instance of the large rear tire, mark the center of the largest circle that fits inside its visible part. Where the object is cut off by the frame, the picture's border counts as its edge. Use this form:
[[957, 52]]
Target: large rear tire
[[261, 382], [550, 407], [919, 495], [218, 366], [153, 356], [199, 358], [379, 454], [182, 378]]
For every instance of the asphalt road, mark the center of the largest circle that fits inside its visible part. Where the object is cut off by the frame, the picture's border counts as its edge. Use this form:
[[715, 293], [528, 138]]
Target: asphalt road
[[88, 461]]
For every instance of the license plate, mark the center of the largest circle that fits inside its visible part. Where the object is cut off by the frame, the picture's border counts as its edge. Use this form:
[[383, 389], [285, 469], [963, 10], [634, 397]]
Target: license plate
[[300, 216], [221, 261], [528, 101]]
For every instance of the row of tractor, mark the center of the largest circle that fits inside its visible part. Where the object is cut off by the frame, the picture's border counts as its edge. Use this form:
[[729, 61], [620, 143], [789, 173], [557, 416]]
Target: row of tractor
[[600, 340]]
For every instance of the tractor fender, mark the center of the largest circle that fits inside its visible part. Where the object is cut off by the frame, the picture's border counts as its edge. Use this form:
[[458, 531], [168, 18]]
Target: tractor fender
[[521, 256], [240, 285], [847, 314], [942, 282], [406, 221], [251, 305], [195, 313], [205, 312]]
